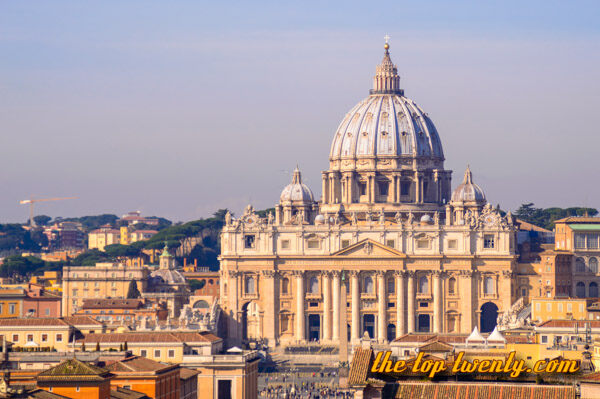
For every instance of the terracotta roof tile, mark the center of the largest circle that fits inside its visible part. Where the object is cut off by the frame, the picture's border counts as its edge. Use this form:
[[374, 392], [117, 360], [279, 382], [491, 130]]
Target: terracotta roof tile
[[136, 364], [185, 373], [359, 369], [73, 370], [477, 390], [157, 336], [32, 322], [112, 303], [569, 324], [81, 321]]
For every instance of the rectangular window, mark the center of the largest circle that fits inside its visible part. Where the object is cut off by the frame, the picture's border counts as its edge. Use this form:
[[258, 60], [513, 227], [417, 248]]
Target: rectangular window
[[171, 353], [538, 307], [58, 337], [249, 241], [12, 308], [560, 307], [489, 241], [592, 241], [15, 338], [143, 353], [345, 243], [423, 304], [313, 304], [74, 292], [579, 241], [390, 243], [391, 286], [391, 304], [422, 244], [549, 307], [157, 353], [405, 188], [452, 244], [29, 337], [362, 188], [44, 337], [383, 188], [544, 339], [313, 244], [47, 312], [569, 307], [285, 244]]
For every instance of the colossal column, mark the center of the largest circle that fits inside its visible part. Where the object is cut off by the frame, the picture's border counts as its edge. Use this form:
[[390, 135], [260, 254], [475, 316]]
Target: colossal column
[[326, 306], [437, 301], [400, 303], [300, 333], [381, 310], [466, 294], [272, 307], [410, 314], [355, 306], [235, 326], [336, 306]]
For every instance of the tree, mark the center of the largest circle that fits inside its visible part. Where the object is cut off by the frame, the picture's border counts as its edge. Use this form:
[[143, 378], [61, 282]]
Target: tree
[[132, 291], [125, 346], [42, 220], [97, 346], [196, 284], [121, 347], [83, 346], [122, 251]]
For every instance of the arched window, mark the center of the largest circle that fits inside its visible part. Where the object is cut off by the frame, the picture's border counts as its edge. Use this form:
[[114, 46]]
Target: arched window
[[250, 285], [580, 290], [285, 285], [201, 304], [593, 265], [488, 285], [423, 285], [368, 288], [452, 285], [313, 285], [593, 289], [579, 265]]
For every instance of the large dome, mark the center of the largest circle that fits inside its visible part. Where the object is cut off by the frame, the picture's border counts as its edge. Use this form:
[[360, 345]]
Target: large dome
[[386, 124]]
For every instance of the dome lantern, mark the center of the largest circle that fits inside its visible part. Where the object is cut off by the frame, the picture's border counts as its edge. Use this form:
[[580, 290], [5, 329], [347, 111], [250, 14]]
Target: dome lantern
[[468, 191], [386, 80]]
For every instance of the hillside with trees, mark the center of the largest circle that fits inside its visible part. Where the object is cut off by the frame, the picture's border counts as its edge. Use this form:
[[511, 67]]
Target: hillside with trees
[[545, 217]]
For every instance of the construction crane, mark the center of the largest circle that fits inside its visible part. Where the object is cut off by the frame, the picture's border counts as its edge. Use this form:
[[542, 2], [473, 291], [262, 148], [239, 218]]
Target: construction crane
[[32, 201]]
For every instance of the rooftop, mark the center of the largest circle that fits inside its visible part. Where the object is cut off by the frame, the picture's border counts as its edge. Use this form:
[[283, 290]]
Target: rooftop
[[73, 370]]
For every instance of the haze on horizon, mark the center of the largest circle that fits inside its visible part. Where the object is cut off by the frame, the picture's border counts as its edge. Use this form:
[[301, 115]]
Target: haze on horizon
[[180, 109]]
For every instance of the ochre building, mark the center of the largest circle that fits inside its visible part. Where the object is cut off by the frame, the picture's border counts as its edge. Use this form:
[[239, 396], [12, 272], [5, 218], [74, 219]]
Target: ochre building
[[408, 253]]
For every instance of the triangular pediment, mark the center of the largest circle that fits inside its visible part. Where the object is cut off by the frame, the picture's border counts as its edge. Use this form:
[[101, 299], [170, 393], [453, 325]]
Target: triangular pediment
[[368, 248]]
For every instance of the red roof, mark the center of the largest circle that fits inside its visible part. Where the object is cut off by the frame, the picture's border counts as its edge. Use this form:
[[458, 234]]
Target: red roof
[[569, 324]]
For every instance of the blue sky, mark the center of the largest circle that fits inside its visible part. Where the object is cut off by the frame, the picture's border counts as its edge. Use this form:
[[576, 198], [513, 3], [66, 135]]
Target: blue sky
[[181, 108]]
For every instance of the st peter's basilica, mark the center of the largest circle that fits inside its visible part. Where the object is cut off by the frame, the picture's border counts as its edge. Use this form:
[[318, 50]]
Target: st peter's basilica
[[409, 253]]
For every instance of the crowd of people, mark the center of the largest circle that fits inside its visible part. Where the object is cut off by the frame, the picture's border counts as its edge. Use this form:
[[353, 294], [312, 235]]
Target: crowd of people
[[302, 385]]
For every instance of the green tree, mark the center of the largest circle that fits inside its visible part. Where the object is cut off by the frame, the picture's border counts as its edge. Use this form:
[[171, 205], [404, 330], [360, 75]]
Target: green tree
[[97, 346], [122, 251], [42, 220], [125, 346], [196, 284]]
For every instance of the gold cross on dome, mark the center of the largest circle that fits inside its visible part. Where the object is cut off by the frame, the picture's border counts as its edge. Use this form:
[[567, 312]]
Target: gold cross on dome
[[387, 38]]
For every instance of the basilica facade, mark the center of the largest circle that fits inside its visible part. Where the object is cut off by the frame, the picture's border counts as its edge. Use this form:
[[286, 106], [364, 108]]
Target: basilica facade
[[389, 249]]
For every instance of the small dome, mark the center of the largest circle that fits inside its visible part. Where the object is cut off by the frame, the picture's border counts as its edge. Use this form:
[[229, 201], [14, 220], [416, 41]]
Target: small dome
[[320, 219], [468, 191], [425, 219], [296, 191], [167, 276]]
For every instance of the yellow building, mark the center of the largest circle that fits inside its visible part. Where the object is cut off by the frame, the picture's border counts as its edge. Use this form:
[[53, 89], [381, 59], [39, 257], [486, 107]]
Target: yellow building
[[105, 280], [128, 235], [580, 236], [11, 302], [414, 255], [161, 346], [544, 309], [105, 235], [37, 333]]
